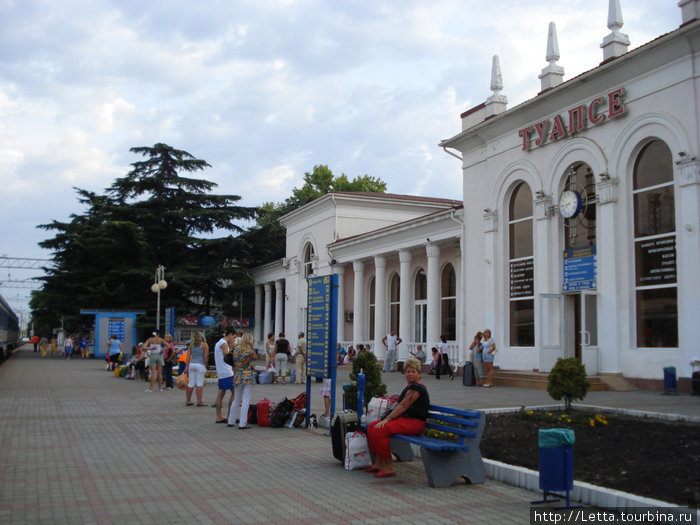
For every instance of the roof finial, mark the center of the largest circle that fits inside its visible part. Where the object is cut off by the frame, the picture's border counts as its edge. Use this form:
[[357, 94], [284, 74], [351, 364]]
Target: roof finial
[[553, 74], [616, 43], [496, 103]]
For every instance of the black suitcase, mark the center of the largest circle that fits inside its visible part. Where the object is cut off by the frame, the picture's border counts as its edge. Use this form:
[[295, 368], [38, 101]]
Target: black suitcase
[[342, 423], [696, 383], [468, 374]]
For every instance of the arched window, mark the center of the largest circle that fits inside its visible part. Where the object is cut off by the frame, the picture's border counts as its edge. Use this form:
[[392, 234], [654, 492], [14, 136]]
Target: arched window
[[448, 302], [372, 301], [308, 260], [420, 302], [394, 302], [521, 268], [655, 247]]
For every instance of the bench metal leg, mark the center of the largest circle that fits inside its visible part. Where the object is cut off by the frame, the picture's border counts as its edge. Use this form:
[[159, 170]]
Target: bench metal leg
[[442, 468], [401, 449]]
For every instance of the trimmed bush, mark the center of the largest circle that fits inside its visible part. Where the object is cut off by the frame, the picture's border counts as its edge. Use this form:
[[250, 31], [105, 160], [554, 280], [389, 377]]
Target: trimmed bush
[[568, 380], [366, 362]]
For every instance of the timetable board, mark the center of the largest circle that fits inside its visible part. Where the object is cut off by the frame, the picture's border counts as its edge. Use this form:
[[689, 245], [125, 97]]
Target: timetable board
[[321, 325]]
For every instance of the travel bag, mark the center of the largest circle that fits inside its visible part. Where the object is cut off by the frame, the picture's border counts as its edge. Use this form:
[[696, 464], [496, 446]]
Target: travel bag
[[264, 412], [342, 423], [468, 374]]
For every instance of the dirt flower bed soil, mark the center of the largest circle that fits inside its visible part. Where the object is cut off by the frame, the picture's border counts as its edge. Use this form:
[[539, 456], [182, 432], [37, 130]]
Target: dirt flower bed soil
[[649, 458]]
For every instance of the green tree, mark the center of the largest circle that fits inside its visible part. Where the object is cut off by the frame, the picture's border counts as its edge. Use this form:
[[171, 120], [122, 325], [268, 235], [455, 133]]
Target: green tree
[[374, 387], [106, 257], [266, 239], [567, 380]]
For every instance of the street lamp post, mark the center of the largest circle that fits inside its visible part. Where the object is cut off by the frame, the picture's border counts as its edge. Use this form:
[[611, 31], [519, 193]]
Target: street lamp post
[[239, 302], [159, 283]]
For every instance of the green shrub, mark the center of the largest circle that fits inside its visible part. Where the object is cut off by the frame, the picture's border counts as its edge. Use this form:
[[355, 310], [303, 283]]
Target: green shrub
[[568, 380], [367, 363]]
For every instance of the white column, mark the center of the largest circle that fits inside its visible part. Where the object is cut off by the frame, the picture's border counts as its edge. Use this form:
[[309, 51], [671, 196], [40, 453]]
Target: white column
[[379, 305], [257, 319], [490, 289], [279, 306], [463, 346], [267, 322], [405, 303], [358, 325], [340, 270], [609, 315], [546, 280], [688, 261], [433, 281]]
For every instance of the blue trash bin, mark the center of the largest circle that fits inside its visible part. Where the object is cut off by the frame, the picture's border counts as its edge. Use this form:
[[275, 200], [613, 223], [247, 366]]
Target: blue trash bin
[[670, 383], [556, 461]]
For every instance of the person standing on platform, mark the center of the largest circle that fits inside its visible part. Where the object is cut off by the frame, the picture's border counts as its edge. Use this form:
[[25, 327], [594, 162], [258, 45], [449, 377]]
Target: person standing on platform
[[54, 346], [391, 342], [83, 345], [68, 346], [169, 356], [155, 345], [115, 348], [476, 348], [195, 367], [43, 346], [243, 380], [300, 360], [281, 357], [443, 359], [225, 373], [488, 346]]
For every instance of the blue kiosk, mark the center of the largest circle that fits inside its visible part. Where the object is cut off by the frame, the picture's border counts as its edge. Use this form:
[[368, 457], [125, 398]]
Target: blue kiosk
[[111, 322]]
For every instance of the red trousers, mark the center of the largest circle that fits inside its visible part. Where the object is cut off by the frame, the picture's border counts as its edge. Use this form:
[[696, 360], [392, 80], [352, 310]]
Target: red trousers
[[379, 437]]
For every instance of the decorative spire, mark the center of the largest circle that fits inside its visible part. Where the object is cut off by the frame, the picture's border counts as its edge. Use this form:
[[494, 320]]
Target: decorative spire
[[616, 43], [553, 74], [496, 103], [690, 10]]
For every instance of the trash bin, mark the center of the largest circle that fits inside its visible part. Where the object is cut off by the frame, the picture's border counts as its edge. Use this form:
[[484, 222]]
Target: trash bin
[[556, 459], [670, 379]]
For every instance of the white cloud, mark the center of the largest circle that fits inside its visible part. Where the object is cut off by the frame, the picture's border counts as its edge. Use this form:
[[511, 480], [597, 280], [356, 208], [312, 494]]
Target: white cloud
[[263, 90]]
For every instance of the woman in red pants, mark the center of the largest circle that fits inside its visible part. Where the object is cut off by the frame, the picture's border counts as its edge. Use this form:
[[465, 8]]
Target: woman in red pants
[[407, 418]]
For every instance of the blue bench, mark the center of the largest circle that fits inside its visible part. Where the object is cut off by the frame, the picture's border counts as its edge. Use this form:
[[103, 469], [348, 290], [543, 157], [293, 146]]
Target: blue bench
[[445, 460]]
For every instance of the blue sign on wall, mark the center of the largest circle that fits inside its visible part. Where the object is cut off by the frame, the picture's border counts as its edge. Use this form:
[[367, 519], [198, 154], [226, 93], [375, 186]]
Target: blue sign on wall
[[580, 269]]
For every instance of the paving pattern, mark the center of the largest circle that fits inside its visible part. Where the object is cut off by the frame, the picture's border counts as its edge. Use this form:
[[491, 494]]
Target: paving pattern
[[79, 446]]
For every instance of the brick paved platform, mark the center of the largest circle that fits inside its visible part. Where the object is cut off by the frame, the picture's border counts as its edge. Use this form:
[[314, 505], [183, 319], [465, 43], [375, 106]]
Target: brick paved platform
[[80, 446]]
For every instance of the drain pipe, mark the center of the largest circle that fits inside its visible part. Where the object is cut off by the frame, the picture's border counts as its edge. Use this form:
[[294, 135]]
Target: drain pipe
[[450, 153]]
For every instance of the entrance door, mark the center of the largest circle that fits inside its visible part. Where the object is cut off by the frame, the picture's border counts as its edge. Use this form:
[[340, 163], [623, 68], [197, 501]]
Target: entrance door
[[581, 329]]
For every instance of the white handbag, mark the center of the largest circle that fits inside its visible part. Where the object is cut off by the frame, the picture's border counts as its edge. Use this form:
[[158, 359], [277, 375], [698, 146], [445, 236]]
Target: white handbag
[[378, 408], [356, 451]]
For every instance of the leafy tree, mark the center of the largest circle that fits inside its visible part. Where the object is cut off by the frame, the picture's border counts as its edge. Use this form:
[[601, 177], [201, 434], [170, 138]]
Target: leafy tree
[[567, 380], [266, 239], [106, 257]]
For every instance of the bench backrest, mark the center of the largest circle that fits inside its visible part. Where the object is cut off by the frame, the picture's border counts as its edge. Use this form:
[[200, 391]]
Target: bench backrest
[[467, 425]]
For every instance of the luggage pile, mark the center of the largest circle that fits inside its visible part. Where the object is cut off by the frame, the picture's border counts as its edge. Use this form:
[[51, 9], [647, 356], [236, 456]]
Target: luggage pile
[[288, 413]]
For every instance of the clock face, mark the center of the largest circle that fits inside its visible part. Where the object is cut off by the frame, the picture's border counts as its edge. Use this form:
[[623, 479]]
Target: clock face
[[570, 204]]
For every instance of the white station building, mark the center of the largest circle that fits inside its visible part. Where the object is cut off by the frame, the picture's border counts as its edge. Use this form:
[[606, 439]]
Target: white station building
[[585, 240]]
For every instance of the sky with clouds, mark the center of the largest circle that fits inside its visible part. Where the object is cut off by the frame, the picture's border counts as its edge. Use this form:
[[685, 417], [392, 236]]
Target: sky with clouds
[[263, 90]]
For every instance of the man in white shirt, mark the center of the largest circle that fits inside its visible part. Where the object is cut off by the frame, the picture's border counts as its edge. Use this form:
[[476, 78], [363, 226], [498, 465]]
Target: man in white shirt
[[224, 372], [300, 359], [391, 341]]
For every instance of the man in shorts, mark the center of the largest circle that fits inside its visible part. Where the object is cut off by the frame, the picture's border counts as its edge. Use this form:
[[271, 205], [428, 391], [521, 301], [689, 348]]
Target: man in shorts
[[224, 372]]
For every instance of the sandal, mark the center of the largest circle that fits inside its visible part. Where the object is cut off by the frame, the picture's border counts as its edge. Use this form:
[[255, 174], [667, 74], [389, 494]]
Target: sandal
[[200, 404], [189, 404]]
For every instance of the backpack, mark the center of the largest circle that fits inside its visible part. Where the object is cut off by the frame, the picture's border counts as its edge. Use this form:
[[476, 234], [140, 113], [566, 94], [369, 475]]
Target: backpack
[[299, 401], [281, 413]]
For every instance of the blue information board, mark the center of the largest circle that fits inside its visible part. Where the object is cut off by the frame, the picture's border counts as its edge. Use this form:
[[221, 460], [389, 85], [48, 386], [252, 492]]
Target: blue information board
[[321, 332], [580, 269], [115, 326]]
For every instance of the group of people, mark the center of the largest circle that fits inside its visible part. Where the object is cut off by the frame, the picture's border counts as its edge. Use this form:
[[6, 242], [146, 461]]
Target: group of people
[[483, 348], [157, 355], [279, 354], [70, 346]]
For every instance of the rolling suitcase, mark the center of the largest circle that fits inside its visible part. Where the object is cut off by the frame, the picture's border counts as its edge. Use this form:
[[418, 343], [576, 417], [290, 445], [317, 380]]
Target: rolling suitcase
[[696, 383], [343, 422], [468, 374]]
